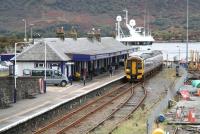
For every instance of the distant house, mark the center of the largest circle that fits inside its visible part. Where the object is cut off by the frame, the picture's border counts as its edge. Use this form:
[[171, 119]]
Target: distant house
[[73, 55]]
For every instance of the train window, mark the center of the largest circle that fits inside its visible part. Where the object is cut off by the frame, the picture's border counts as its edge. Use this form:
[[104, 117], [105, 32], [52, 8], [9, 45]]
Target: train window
[[129, 64], [57, 73], [37, 73], [49, 73], [139, 65]]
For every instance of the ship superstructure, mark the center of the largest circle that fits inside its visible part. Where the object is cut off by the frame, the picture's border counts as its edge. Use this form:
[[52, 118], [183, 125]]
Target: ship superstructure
[[137, 35]]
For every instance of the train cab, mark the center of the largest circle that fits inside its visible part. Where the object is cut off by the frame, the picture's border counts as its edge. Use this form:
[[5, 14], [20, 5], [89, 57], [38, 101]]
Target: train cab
[[134, 69]]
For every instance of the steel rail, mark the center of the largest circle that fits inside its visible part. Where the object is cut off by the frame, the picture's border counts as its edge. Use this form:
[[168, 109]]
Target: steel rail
[[176, 130], [79, 109], [139, 103], [94, 111], [118, 109], [128, 116], [73, 112], [144, 97]]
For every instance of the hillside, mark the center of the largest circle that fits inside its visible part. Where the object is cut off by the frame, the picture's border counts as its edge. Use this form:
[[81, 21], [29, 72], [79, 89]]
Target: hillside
[[167, 17]]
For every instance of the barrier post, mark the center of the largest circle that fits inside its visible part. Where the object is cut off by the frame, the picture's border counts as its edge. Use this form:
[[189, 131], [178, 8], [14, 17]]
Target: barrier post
[[147, 127], [15, 95]]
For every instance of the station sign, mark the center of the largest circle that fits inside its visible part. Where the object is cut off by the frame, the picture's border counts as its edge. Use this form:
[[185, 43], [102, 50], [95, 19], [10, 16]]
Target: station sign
[[70, 63], [102, 56]]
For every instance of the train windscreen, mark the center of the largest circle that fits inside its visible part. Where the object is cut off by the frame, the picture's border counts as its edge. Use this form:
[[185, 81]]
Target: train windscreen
[[139, 65], [129, 64]]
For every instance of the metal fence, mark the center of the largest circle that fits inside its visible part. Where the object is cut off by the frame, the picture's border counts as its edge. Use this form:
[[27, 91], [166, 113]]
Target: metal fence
[[164, 102]]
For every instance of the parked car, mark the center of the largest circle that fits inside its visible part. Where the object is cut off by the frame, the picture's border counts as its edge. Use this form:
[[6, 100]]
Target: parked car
[[53, 77]]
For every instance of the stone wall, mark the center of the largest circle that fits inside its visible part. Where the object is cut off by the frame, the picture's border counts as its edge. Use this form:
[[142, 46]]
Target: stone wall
[[26, 88]]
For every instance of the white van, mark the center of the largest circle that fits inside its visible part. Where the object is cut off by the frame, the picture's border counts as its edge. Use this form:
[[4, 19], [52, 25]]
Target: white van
[[53, 77]]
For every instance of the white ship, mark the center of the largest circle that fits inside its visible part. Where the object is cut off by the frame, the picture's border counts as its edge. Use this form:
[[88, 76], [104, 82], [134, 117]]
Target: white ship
[[137, 35]]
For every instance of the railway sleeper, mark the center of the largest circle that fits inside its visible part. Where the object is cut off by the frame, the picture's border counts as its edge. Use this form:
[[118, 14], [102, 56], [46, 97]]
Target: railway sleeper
[[131, 104]]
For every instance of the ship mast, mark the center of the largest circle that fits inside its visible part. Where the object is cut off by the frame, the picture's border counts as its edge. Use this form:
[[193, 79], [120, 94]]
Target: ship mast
[[118, 19], [145, 11], [126, 17], [148, 21], [187, 34]]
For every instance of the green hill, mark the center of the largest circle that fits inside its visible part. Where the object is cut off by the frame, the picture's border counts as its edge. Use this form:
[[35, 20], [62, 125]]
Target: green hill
[[167, 18]]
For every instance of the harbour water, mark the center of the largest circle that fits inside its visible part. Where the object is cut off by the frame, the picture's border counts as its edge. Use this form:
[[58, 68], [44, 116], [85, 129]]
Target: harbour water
[[174, 49]]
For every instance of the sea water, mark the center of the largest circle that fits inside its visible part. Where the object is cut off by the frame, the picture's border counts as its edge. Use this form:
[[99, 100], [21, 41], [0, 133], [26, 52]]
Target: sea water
[[173, 50]]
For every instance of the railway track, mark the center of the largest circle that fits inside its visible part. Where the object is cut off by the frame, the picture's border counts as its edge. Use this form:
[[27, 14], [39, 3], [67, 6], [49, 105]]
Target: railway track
[[75, 117], [121, 113], [176, 130], [187, 130]]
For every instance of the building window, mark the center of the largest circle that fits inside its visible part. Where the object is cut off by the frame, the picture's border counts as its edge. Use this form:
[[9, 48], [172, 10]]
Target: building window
[[39, 65]]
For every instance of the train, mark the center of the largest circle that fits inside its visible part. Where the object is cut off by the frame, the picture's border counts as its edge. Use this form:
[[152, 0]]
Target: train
[[140, 64]]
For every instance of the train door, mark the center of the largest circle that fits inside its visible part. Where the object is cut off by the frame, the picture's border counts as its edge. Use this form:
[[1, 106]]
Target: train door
[[134, 70]]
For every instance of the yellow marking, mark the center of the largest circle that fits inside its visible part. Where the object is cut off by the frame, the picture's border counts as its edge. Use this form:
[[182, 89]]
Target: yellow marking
[[133, 67]]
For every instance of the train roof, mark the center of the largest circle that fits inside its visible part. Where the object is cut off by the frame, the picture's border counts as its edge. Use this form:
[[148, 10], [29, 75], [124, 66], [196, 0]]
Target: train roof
[[145, 54]]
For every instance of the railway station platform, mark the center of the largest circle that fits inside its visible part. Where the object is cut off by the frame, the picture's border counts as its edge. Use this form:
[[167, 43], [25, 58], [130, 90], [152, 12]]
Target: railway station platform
[[27, 109]]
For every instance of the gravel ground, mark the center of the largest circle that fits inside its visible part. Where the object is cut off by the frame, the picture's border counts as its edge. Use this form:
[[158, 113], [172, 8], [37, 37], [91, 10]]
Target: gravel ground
[[192, 103], [157, 87]]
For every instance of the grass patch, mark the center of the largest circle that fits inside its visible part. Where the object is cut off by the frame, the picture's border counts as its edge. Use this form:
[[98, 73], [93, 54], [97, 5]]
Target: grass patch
[[136, 125]]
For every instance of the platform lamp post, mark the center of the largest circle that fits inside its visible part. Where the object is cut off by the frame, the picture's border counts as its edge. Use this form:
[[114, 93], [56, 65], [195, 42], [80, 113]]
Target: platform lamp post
[[166, 52], [45, 65], [25, 37], [167, 59], [179, 53], [31, 25], [187, 34], [15, 73]]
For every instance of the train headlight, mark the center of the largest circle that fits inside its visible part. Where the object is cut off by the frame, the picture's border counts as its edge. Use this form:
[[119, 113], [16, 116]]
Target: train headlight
[[128, 71]]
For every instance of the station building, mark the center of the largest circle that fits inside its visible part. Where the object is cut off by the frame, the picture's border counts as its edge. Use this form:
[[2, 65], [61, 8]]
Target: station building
[[74, 56]]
